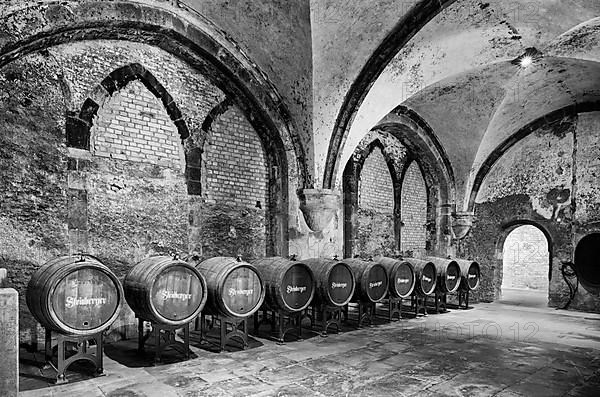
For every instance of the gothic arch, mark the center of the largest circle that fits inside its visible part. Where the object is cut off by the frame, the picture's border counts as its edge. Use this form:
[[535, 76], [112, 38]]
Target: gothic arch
[[413, 21]]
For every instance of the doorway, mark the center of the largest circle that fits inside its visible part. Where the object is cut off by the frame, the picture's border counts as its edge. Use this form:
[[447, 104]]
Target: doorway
[[526, 264]]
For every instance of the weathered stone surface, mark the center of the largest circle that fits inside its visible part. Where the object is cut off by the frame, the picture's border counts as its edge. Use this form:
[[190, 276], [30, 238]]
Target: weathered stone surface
[[9, 342]]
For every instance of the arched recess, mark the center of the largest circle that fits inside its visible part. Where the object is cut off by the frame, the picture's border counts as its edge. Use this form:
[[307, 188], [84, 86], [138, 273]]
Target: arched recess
[[199, 43], [413, 209], [415, 19], [394, 158], [553, 118], [510, 227], [418, 138]]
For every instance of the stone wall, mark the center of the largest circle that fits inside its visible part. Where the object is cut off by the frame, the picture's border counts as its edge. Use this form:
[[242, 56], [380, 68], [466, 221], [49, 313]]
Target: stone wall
[[540, 181], [127, 197]]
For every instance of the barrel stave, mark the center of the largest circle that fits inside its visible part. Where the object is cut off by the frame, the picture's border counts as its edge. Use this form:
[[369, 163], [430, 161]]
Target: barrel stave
[[425, 274]]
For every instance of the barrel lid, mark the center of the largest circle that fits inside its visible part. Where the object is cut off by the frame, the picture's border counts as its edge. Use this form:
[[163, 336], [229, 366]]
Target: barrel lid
[[377, 282], [177, 293], [243, 291], [340, 283], [428, 278], [404, 279], [297, 286], [473, 276], [86, 298], [452, 278]]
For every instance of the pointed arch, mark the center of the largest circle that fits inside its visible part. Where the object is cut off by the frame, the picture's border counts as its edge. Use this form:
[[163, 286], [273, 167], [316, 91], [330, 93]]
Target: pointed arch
[[79, 126], [413, 21]]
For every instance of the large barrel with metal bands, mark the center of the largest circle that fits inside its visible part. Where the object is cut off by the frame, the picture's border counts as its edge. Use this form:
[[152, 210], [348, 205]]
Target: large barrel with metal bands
[[165, 290], [470, 274], [74, 295], [289, 285], [235, 287], [448, 273], [425, 275], [371, 280], [401, 276], [335, 282]]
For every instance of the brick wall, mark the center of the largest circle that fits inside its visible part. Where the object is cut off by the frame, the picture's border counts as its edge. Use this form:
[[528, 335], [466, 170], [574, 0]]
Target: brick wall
[[413, 211], [375, 208], [134, 126], [233, 219], [525, 259], [376, 191], [236, 170]]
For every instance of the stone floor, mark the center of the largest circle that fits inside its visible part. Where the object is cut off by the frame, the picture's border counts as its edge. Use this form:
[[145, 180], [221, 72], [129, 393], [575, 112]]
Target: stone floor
[[492, 350]]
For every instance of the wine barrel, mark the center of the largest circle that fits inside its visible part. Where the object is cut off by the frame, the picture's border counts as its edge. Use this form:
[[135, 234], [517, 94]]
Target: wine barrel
[[371, 280], [74, 295], [401, 276], [165, 290], [470, 274], [335, 282], [235, 288], [425, 275], [289, 285], [448, 273]]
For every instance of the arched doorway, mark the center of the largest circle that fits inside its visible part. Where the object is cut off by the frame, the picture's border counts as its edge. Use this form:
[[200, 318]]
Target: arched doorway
[[525, 267]]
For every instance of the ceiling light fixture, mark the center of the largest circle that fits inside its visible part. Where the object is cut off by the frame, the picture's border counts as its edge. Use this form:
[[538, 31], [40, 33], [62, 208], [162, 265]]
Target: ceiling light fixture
[[528, 58]]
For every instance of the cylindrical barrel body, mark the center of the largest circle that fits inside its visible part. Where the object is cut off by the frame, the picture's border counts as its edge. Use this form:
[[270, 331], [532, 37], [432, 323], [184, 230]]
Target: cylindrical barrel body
[[401, 276], [425, 275], [165, 290], [235, 288], [289, 285], [75, 295], [448, 273], [335, 283], [371, 280], [470, 274]]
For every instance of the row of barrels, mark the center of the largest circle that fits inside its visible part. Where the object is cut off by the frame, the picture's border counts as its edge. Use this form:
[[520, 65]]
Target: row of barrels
[[81, 296]]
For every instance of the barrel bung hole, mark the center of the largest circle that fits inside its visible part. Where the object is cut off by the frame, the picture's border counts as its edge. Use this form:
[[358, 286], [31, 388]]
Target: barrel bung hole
[[86, 323]]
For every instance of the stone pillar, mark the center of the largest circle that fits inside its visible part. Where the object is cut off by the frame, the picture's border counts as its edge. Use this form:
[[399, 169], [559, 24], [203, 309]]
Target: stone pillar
[[9, 342]]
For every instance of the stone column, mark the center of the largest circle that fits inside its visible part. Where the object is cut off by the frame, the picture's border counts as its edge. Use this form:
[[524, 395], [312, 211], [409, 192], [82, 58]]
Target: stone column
[[9, 342]]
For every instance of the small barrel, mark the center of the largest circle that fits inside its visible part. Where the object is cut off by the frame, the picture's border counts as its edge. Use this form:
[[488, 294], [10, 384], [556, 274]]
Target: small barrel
[[335, 282], [448, 273], [401, 276], [470, 274], [289, 285], [425, 275], [235, 288], [74, 295], [165, 290], [371, 280]]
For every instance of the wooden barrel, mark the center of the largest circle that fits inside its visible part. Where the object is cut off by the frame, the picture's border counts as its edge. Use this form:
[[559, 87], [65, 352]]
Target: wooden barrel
[[289, 285], [335, 282], [371, 280], [425, 275], [74, 295], [235, 288], [165, 290], [401, 276], [470, 274], [448, 273]]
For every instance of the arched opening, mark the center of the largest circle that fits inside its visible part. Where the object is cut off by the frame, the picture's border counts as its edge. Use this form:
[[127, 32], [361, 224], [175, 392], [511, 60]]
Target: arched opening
[[587, 263], [525, 267]]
